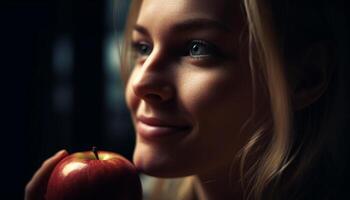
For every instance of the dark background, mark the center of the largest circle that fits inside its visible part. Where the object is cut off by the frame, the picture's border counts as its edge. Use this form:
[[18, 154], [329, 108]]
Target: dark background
[[59, 85]]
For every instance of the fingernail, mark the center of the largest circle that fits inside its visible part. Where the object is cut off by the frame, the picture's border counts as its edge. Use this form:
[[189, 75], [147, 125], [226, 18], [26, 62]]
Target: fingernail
[[61, 152]]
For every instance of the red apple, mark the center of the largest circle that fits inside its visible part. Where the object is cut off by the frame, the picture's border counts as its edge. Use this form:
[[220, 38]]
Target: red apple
[[93, 175]]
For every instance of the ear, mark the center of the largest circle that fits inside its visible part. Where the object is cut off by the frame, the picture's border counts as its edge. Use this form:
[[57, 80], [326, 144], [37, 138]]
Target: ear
[[314, 75]]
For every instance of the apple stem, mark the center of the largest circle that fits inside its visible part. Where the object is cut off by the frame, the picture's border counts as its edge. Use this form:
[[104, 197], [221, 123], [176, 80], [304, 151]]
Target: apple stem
[[94, 149]]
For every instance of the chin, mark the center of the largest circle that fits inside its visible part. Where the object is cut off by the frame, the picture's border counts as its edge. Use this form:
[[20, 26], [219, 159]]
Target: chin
[[149, 161]]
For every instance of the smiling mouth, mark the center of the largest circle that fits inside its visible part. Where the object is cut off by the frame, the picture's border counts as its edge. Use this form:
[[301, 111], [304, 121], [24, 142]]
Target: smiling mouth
[[154, 128]]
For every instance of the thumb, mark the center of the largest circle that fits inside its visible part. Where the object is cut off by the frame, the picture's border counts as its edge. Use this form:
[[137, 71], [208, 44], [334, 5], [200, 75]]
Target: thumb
[[36, 187]]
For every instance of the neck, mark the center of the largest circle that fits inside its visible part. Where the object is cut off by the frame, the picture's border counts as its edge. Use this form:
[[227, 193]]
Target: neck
[[219, 185]]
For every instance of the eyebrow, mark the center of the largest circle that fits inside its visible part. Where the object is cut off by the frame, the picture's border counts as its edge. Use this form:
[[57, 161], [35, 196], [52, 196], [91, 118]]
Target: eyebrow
[[191, 25]]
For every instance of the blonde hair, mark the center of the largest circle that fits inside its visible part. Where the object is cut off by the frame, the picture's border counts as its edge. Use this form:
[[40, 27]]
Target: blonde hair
[[260, 178], [262, 38]]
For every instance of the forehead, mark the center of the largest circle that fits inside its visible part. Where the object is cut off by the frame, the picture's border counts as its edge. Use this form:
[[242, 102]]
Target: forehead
[[227, 11]]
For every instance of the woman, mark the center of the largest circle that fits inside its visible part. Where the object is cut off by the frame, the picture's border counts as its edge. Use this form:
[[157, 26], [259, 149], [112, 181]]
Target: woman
[[236, 99]]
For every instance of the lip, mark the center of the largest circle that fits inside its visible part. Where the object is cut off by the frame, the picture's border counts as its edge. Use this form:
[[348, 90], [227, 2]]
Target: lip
[[151, 127]]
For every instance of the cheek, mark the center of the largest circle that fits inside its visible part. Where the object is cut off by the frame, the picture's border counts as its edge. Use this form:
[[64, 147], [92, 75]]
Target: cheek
[[219, 103], [131, 99], [223, 92]]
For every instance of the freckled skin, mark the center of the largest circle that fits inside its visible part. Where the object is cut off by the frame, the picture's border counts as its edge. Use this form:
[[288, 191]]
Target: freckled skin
[[213, 95]]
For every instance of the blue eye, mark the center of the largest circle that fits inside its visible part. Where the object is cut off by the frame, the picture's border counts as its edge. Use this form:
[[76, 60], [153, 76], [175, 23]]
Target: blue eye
[[142, 48], [200, 48]]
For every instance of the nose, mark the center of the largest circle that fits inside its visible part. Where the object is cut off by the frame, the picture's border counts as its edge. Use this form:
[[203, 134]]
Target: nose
[[153, 84], [152, 90]]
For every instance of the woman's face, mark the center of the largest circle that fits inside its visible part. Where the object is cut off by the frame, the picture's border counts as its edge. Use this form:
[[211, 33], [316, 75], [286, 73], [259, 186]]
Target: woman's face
[[190, 90]]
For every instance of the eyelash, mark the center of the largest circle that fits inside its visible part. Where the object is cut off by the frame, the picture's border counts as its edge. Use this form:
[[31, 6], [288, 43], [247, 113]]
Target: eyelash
[[144, 49], [140, 48], [210, 50]]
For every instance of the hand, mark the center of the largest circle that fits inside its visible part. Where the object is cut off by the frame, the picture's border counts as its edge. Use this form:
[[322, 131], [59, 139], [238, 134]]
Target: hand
[[36, 187]]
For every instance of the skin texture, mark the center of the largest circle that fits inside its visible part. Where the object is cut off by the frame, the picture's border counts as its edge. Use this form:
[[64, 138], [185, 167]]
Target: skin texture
[[211, 95]]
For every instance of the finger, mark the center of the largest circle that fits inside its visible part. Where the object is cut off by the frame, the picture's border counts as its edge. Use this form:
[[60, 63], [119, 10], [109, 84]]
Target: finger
[[35, 189], [47, 167]]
